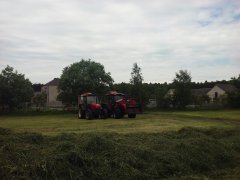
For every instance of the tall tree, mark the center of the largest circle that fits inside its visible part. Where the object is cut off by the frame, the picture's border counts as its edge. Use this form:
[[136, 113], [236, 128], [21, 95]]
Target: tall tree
[[15, 89], [40, 99], [37, 87], [236, 81], [83, 76], [136, 81], [182, 85]]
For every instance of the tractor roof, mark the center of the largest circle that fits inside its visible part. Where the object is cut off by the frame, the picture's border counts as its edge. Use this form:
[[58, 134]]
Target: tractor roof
[[114, 93], [87, 94]]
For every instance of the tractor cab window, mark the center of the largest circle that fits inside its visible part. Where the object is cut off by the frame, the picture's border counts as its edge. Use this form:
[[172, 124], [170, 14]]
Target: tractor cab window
[[118, 97], [82, 99], [91, 99]]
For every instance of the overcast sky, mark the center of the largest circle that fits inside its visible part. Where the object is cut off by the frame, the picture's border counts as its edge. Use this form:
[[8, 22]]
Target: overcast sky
[[40, 38]]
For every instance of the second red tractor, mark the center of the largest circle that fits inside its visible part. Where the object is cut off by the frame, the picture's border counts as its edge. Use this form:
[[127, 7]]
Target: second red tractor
[[118, 105]]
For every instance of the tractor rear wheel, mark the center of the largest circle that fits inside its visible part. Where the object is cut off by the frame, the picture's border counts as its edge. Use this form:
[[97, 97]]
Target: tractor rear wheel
[[131, 115], [89, 115]]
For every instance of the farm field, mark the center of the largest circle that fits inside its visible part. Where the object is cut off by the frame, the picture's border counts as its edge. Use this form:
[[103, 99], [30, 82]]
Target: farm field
[[149, 122], [155, 145]]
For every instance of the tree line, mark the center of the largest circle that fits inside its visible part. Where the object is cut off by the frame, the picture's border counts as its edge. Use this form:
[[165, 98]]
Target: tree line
[[90, 76]]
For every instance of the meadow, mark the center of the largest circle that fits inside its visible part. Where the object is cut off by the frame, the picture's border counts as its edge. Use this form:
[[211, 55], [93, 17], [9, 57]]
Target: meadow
[[149, 122], [155, 145]]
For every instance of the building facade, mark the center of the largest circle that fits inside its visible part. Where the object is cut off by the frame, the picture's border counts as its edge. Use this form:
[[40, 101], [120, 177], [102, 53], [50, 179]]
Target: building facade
[[220, 90], [51, 89]]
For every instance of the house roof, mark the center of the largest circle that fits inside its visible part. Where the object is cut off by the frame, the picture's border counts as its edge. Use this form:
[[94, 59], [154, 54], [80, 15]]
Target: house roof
[[200, 92], [227, 87], [53, 82]]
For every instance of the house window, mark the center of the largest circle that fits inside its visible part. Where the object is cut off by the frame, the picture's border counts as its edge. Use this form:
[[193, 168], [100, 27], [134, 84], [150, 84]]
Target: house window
[[216, 95]]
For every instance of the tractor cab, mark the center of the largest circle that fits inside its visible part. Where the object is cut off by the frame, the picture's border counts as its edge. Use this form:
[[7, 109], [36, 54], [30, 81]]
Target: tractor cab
[[87, 98], [114, 97], [89, 107]]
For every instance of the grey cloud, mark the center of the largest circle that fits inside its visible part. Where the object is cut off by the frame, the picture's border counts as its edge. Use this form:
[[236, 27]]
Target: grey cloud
[[162, 36]]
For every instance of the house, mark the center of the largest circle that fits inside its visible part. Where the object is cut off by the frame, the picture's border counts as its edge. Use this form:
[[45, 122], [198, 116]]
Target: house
[[170, 93], [220, 90], [152, 103], [207, 95], [51, 89]]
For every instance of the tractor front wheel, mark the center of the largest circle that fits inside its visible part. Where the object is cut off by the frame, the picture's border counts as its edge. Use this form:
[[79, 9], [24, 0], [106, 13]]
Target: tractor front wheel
[[81, 114], [117, 113], [89, 115], [104, 113]]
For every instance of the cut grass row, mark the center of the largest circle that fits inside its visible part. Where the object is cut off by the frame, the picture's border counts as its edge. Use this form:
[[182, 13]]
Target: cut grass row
[[189, 153]]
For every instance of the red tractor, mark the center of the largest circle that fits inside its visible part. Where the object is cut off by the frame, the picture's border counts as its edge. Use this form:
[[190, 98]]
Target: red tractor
[[89, 108], [118, 105]]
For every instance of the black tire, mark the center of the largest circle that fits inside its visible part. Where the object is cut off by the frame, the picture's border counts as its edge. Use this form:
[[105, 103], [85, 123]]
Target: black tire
[[89, 115], [117, 113], [104, 113], [131, 115], [81, 114]]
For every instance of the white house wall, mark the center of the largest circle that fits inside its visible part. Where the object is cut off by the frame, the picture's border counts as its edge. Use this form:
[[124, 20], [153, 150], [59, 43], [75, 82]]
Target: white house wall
[[215, 89], [52, 93]]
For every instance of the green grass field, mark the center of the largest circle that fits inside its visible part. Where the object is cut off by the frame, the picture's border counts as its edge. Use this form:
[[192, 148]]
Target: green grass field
[[150, 122], [155, 145]]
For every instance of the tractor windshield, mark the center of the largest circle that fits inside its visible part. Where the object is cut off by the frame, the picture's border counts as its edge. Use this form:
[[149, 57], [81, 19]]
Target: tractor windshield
[[91, 99], [117, 97]]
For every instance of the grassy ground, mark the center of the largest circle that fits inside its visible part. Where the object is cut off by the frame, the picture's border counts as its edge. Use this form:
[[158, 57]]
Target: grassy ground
[[217, 114], [151, 122], [155, 145]]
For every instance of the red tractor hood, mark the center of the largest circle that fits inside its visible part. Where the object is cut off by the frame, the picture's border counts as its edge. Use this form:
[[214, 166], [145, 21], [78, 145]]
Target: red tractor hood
[[95, 106]]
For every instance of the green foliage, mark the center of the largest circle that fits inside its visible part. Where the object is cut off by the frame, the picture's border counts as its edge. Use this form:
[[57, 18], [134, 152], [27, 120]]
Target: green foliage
[[80, 77], [136, 75], [182, 93], [162, 102], [159, 90], [136, 81], [40, 100], [200, 100], [189, 152], [123, 88], [235, 81], [14, 88], [233, 99]]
